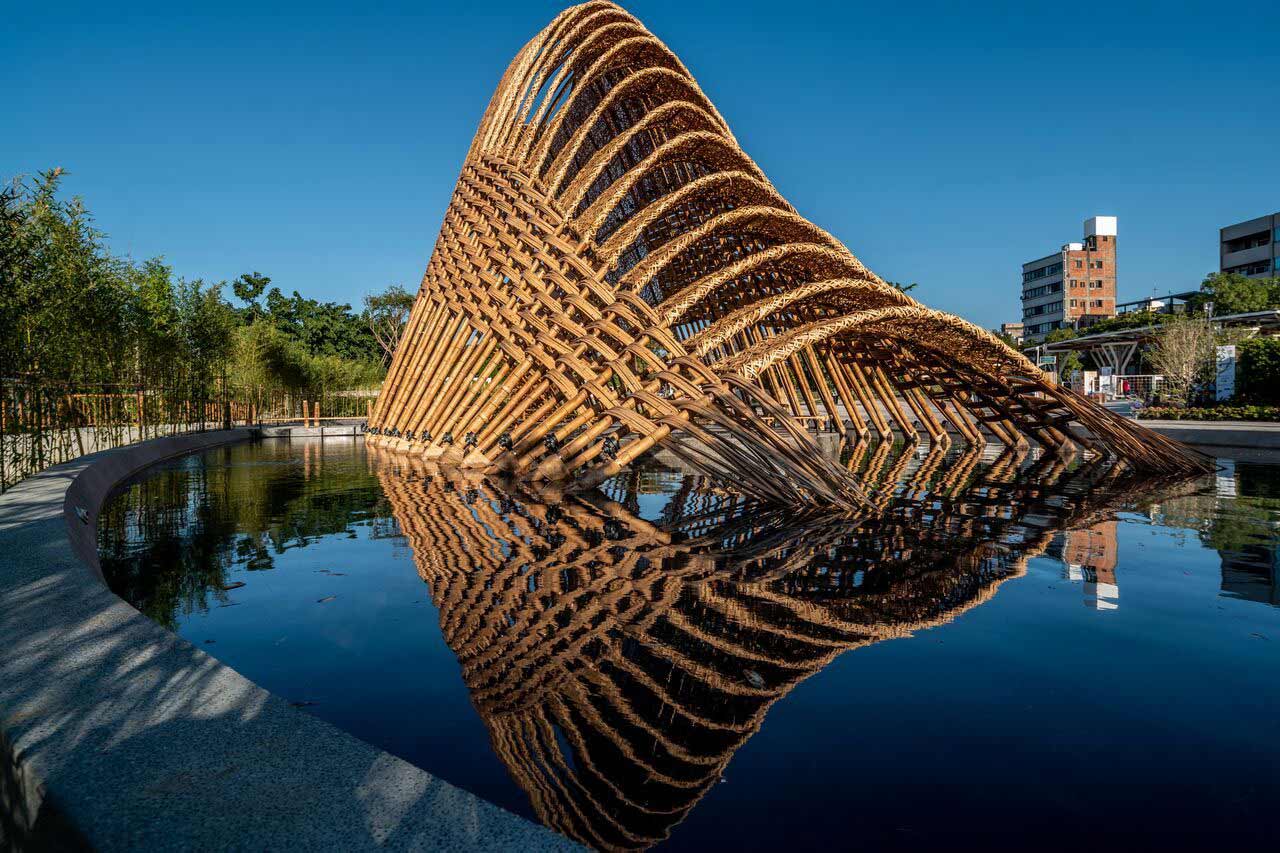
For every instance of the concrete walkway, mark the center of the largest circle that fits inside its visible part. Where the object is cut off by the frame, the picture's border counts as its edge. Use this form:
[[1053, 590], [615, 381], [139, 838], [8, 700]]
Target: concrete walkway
[[117, 735], [1253, 435]]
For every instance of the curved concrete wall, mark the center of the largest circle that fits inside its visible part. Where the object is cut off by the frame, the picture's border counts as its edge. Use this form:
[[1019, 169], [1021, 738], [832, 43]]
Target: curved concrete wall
[[116, 734]]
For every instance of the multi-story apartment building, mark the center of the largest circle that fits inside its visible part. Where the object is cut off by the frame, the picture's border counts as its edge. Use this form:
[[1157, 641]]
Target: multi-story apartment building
[[1074, 286], [1251, 248]]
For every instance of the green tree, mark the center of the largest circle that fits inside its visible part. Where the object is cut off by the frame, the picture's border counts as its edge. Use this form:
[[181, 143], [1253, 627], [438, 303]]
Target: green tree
[[1232, 293], [1259, 370], [249, 286], [1129, 320], [207, 326], [264, 357], [71, 313], [322, 328], [64, 300], [386, 314], [1064, 334], [1067, 361]]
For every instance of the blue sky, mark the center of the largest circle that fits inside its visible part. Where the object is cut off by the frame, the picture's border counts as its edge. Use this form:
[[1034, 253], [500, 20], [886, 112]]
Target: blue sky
[[944, 143]]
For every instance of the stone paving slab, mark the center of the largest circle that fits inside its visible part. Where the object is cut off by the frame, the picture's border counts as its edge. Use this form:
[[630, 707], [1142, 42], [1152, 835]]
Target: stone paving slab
[[116, 734]]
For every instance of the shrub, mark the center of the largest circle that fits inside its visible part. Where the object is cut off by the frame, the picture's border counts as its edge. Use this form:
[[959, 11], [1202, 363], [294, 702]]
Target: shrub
[[1211, 413], [1259, 370]]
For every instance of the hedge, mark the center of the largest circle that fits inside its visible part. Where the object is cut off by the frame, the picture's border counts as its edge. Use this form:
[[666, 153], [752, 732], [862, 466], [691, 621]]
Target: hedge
[[1258, 378], [1211, 413]]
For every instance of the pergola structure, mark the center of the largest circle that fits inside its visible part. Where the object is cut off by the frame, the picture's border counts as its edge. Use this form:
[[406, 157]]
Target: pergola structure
[[1118, 349], [614, 272]]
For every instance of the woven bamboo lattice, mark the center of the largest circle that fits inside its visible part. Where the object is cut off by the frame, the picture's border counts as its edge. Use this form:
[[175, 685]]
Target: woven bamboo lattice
[[614, 272], [619, 664]]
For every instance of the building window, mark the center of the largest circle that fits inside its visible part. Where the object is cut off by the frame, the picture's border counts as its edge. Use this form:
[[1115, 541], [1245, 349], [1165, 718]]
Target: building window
[[1037, 310], [1079, 264], [1097, 282], [1055, 287], [1256, 268], [1073, 303], [1249, 241], [1042, 272]]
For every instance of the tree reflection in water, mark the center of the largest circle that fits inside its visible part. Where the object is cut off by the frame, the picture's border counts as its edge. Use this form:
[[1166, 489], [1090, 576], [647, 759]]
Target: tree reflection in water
[[169, 539], [619, 663]]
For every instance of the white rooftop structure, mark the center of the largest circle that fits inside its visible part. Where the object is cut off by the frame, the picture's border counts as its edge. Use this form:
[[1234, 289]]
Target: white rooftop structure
[[1100, 226]]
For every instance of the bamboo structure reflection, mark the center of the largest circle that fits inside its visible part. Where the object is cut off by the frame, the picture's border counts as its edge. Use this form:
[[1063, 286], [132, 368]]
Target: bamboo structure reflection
[[620, 663]]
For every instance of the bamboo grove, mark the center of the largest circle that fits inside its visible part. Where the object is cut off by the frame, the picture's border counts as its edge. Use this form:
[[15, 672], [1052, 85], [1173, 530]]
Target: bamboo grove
[[615, 273], [98, 350]]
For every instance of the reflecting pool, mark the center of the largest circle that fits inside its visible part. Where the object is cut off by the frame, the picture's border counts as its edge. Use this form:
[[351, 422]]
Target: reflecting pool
[[1001, 650]]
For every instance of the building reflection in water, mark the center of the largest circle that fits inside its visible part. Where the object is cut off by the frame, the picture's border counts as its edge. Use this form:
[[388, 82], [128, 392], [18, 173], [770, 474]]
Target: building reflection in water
[[1240, 519], [1090, 555], [619, 663]]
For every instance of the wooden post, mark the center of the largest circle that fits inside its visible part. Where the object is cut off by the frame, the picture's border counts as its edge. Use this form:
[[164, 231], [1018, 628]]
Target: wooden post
[[71, 423]]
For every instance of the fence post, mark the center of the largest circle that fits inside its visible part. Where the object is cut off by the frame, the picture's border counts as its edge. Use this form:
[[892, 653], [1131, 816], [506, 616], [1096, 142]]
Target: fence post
[[4, 429], [71, 422], [38, 428]]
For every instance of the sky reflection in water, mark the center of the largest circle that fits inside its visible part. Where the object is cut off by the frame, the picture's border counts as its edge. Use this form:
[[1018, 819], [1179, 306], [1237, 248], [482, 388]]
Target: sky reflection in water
[[1040, 649]]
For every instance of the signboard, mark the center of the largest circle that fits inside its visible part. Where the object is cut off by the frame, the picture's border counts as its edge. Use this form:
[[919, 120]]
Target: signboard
[[1224, 383]]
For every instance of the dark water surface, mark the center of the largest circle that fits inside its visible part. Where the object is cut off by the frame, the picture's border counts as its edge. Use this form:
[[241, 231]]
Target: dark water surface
[[1005, 652]]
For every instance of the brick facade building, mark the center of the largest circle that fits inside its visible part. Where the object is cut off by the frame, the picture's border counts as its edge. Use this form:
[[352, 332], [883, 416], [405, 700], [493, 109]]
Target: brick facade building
[[1074, 286]]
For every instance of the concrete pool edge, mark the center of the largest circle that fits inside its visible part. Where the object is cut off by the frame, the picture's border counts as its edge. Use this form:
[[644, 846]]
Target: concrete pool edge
[[115, 733]]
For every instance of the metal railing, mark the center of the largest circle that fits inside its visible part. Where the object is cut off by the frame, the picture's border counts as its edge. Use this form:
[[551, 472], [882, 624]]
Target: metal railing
[[44, 424]]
